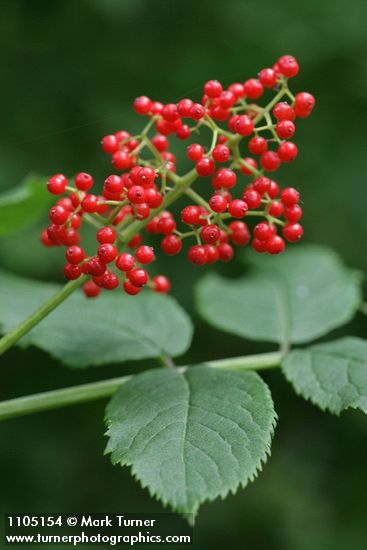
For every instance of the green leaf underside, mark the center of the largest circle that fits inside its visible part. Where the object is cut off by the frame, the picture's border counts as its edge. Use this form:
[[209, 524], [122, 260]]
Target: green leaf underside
[[191, 436], [332, 376], [293, 298], [23, 205], [109, 329]]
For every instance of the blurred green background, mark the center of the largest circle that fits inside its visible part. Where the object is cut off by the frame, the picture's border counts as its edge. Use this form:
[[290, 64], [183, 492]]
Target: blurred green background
[[69, 72]]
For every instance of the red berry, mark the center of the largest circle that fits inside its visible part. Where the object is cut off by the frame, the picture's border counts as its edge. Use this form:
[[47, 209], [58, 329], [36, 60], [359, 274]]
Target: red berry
[[121, 160], [212, 253], [96, 267], [75, 254], [238, 208], [224, 177], [293, 232], [125, 261], [72, 272], [293, 213], [144, 254], [218, 203], [213, 88], [136, 194], [257, 145], [197, 255], [171, 245], [45, 239], [240, 234], [289, 196], [57, 184], [227, 99], [285, 129], [268, 78], [303, 104], [253, 88], [142, 105], [184, 107], [106, 235], [288, 66], [195, 152], [160, 142], [242, 124], [90, 204], [138, 276], [276, 209], [237, 89], [197, 111], [205, 167], [252, 198], [160, 283], [107, 253], [287, 151], [110, 281], [190, 215], [210, 234], [90, 289], [110, 144], [283, 111], [114, 184], [58, 215], [166, 225], [275, 245], [226, 252], [130, 288], [262, 231], [259, 246], [153, 197], [83, 181], [135, 241], [270, 161], [221, 153], [170, 113], [184, 132]]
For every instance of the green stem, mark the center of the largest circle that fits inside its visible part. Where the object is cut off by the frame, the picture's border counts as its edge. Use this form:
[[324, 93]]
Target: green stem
[[25, 326], [105, 388]]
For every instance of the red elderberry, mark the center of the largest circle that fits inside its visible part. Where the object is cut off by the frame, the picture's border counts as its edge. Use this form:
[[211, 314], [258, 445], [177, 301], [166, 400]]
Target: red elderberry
[[57, 184], [289, 196], [293, 232], [238, 208], [287, 151], [160, 283], [195, 152], [75, 254], [197, 255], [83, 181], [138, 276], [90, 289], [191, 215], [125, 262], [171, 245], [218, 203], [210, 233], [205, 167], [144, 254]]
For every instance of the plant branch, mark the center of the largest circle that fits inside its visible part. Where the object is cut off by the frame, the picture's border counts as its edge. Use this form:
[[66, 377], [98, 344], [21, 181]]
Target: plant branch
[[55, 399]]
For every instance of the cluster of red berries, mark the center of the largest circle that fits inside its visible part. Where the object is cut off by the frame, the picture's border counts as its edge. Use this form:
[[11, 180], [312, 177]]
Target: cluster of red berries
[[138, 196]]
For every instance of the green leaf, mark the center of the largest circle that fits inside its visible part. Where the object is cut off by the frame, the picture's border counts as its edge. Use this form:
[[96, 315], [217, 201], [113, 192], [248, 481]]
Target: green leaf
[[23, 205], [191, 436], [332, 376], [112, 328], [295, 298]]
